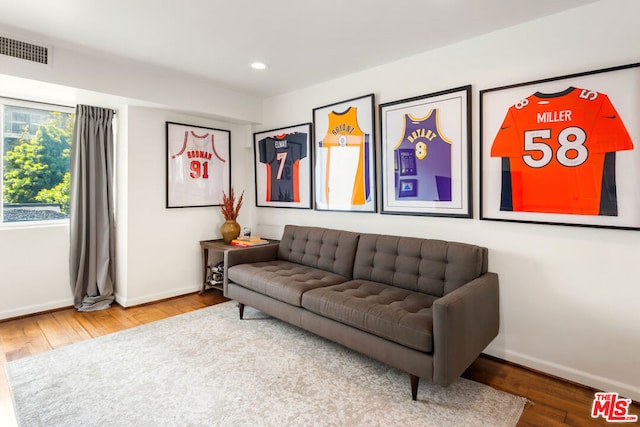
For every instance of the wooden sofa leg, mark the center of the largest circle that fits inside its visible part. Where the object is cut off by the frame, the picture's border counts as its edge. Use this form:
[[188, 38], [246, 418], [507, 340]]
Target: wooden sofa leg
[[414, 386], [241, 309]]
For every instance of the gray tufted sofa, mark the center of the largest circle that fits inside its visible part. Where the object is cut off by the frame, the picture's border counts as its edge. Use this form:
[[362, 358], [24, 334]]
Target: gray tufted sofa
[[427, 307]]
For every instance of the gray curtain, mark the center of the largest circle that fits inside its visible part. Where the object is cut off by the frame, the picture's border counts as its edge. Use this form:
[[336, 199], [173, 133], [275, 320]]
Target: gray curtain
[[92, 258]]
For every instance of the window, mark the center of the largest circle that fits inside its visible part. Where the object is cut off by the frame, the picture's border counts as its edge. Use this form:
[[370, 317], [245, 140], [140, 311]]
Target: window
[[36, 148]]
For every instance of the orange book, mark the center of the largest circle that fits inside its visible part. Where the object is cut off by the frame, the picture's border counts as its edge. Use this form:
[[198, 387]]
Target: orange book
[[253, 241]]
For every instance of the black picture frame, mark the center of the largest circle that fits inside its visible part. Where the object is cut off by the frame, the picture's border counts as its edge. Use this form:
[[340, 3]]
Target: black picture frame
[[198, 168], [563, 150], [283, 162], [425, 154], [345, 156]]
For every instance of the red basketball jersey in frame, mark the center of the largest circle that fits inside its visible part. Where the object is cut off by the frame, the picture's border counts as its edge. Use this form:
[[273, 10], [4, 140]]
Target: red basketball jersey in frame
[[556, 145]]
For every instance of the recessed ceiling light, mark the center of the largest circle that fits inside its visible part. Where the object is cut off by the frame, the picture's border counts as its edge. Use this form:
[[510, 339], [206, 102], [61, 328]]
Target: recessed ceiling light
[[258, 65]]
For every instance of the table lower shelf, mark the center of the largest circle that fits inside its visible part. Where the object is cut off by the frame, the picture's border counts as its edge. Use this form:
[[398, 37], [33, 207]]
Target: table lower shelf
[[213, 269], [215, 285]]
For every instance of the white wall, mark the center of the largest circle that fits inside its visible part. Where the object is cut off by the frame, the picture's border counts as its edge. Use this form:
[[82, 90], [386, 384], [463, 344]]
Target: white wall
[[34, 259], [569, 295], [158, 251], [34, 269], [160, 247]]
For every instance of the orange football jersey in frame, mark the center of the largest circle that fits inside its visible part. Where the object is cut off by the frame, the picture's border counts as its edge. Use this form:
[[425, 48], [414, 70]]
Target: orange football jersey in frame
[[556, 146]]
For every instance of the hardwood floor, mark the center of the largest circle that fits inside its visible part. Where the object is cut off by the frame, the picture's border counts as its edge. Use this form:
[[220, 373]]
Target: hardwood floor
[[553, 402]]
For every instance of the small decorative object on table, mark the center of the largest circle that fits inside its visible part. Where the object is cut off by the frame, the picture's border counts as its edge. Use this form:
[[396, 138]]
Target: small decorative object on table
[[230, 229]]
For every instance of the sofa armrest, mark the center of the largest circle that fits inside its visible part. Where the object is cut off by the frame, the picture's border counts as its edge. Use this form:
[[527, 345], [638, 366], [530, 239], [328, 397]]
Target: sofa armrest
[[247, 255], [465, 321]]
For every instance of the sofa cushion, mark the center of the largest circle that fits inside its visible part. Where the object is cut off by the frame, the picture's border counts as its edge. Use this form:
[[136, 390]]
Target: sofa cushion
[[399, 315], [329, 250], [430, 266], [283, 280]]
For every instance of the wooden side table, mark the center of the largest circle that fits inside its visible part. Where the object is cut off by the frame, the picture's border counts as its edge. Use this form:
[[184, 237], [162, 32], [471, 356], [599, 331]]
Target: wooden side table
[[217, 248]]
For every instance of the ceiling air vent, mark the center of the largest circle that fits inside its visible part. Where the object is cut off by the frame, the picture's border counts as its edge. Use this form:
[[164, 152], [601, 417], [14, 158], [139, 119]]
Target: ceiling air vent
[[23, 50]]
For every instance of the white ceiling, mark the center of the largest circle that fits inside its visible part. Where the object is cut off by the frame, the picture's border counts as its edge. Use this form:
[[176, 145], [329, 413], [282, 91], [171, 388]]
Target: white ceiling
[[303, 42]]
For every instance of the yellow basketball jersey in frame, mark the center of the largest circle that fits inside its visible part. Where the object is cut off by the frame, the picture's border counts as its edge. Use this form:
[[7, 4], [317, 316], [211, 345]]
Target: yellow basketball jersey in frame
[[346, 160]]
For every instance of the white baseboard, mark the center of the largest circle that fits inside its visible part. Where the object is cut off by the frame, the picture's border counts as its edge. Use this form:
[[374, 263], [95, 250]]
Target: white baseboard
[[36, 308], [130, 302], [628, 391], [68, 302]]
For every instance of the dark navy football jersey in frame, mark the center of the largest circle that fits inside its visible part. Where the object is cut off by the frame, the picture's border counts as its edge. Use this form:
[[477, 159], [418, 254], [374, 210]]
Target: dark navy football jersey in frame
[[282, 154]]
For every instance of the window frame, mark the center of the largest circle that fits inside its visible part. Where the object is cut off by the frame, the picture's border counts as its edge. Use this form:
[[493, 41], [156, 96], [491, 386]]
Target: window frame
[[35, 105]]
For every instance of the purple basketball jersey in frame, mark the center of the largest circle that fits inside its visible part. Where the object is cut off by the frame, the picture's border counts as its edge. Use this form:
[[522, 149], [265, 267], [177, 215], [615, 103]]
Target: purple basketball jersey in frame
[[423, 161]]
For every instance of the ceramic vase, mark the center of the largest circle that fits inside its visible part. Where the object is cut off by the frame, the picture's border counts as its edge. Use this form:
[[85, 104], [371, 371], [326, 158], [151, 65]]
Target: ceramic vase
[[230, 230]]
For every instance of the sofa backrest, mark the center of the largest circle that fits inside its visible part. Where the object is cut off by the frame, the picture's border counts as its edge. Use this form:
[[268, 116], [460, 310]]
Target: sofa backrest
[[434, 267], [329, 250]]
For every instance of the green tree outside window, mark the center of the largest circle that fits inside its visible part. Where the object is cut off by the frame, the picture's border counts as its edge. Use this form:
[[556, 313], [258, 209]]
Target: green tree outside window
[[36, 168]]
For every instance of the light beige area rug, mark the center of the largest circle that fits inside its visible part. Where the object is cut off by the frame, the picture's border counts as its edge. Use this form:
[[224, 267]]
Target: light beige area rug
[[208, 368]]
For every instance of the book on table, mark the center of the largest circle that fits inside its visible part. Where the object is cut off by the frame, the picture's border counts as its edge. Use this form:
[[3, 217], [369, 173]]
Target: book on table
[[249, 241]]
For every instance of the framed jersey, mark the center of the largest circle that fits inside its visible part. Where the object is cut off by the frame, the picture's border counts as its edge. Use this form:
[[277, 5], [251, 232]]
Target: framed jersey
[[344, 154], [282, 159], [198, 165], [563, 150], [425, 152]]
